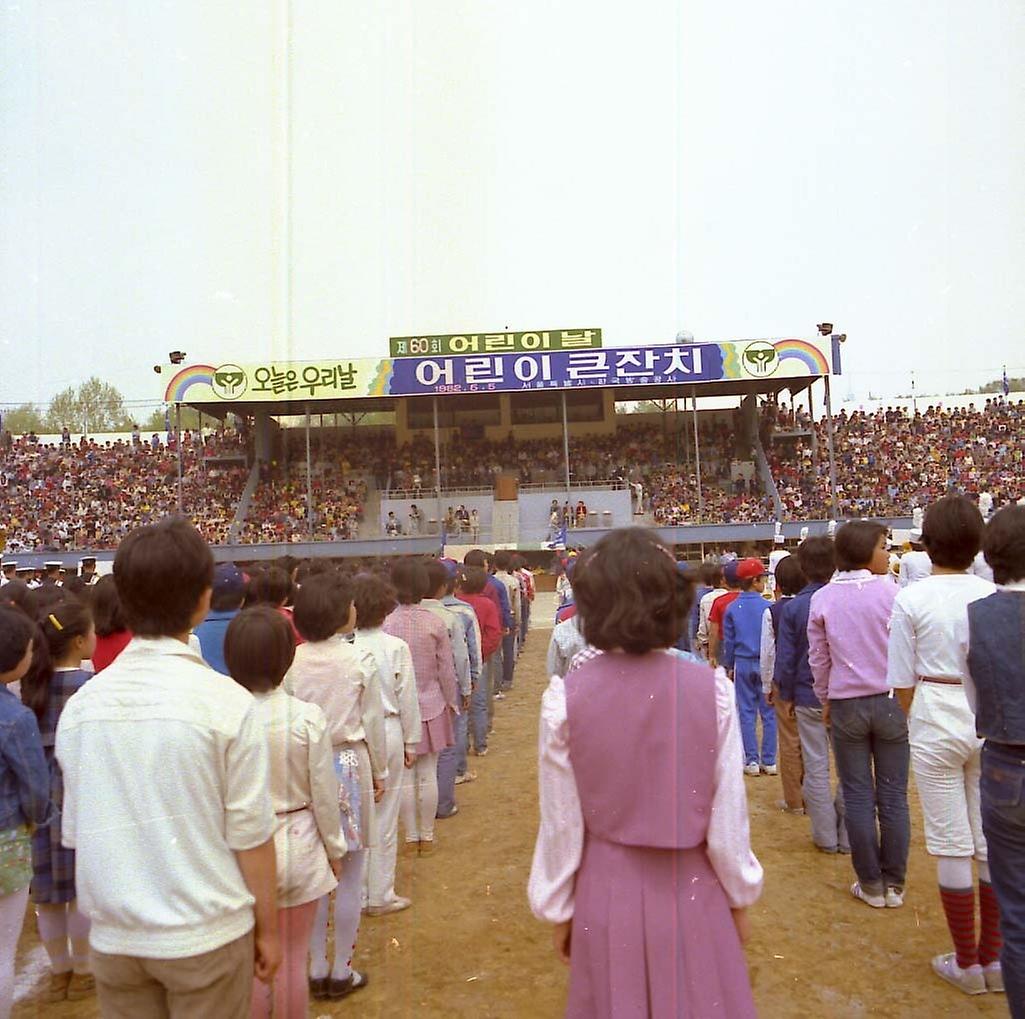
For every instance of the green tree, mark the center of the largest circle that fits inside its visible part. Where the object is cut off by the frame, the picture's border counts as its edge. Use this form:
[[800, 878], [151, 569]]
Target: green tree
[[95, 406], [1014, 385], [157, 421], [23, 419]]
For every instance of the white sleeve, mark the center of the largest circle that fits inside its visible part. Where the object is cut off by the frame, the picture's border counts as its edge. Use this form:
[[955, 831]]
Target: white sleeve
[[729, 831], [323, 783], [560, 837], [767, 652], [248, 814], [961, 650], [901, 654], [405, 689]]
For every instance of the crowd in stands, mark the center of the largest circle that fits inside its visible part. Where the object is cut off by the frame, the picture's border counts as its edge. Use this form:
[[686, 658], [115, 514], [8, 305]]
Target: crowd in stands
[[64, 495], [893, 461]]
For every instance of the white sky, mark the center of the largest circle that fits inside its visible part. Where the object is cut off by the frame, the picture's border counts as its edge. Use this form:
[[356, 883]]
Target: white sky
[[738, 170]]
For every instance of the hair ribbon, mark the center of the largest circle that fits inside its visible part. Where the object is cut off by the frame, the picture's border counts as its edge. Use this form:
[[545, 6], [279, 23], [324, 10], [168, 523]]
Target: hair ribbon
[[56, 622]]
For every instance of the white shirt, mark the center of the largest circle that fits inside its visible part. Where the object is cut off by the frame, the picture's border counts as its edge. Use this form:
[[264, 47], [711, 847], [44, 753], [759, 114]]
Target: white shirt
[[166, 777], [457, 637], [925, 628], [981, 568], [560, 839], [398, 680], [704, 608], [914, 566], [343, 681], [302, 772]]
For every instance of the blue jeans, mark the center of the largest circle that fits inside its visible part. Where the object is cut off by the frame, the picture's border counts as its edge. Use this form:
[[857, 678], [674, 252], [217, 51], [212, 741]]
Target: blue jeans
[[479, 700], [494, 674], [508, 659], [751, 704], [448, 767], [1003, 821], [870, 743]]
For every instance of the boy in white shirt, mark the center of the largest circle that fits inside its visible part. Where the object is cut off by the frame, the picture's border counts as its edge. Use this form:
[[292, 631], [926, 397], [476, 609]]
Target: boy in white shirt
[[167, 803]]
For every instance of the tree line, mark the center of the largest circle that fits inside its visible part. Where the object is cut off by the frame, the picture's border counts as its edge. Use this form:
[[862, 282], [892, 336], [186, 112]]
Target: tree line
[[94, 406]]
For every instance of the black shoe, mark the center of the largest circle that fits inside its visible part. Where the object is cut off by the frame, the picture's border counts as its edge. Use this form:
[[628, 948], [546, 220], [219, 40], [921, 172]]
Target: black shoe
[[318, 988], [337, 989]]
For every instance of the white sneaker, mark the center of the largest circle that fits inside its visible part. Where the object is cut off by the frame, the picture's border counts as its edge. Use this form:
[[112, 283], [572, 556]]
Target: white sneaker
[[499, 696], [395, 905], [894, 897], [467, 776], [875, 901], [994, 977], [970, 980], [770, 769], [752, 769]]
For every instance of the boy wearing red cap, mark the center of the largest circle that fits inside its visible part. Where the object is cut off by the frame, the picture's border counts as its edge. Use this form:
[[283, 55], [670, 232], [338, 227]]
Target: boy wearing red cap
[[741, 650]]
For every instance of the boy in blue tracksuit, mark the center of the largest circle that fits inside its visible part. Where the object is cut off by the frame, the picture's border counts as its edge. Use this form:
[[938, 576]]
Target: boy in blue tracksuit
[[741, 648]]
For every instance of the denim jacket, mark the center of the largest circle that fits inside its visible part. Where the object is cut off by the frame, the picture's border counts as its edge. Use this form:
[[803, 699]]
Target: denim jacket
[[996, 661], [24, 775], [793, 673]]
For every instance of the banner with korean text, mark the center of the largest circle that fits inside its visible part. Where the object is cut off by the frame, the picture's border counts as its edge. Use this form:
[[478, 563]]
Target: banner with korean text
[[494, 343], [353, 378]]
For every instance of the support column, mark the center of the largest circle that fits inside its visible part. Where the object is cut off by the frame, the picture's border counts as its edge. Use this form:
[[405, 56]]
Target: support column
[[178, 443], [437, 470], [565, 441], [309, 478], [832, 455], [697, 459]]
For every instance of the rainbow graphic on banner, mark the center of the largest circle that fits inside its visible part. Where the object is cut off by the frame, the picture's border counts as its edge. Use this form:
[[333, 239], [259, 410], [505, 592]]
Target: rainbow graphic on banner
[[382, 379], [187, 377], [808, 354]]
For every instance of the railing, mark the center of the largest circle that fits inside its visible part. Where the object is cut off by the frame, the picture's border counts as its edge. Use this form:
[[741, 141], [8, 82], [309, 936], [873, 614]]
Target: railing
[[552, 486], [406, 494]]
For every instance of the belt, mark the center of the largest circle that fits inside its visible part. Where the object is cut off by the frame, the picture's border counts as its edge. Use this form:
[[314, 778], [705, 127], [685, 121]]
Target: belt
[[1017, 749], [941, 680], [294, 810]]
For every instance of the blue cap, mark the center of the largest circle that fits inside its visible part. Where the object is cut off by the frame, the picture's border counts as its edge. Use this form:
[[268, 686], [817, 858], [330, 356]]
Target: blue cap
[[228, 579], [729, 572]]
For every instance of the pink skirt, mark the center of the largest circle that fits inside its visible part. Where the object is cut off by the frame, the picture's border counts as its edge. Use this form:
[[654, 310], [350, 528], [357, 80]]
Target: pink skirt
[[653, 936], [436, 734]]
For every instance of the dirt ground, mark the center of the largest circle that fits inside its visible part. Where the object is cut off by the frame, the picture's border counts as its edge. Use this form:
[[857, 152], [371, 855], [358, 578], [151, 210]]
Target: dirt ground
[[470, 947]]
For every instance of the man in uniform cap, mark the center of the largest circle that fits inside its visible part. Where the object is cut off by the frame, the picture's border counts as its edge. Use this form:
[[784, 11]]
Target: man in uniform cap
[[87, 569], [9, 569], [52, 572]]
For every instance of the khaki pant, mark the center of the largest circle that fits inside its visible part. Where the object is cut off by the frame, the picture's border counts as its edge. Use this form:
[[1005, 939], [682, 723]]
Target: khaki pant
[[216, 985], [791, 767]]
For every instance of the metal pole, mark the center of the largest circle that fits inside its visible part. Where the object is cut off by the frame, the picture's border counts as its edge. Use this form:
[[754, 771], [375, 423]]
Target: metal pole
[[437, 468], [832, 457], [309, 478], [178, 443], [697, 459], [565, 441]]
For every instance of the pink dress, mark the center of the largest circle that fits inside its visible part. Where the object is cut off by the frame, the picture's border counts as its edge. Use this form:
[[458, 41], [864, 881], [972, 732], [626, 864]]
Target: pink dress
[[644, 840]]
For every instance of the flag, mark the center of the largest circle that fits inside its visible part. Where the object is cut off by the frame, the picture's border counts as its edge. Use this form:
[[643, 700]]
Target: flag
[[560, 538], [1006, 383]]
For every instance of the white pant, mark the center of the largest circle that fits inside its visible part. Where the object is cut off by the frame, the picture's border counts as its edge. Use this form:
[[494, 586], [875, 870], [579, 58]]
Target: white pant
[[945, 759], [380, 877], [12, 916]]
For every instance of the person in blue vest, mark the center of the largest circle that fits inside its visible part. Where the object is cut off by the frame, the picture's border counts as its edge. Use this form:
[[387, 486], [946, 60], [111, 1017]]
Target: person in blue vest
[[740, 656], [994, 683], [225, 603]]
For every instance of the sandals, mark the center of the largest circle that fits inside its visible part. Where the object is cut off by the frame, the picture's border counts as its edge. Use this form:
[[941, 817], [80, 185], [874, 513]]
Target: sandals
[[337, 989]]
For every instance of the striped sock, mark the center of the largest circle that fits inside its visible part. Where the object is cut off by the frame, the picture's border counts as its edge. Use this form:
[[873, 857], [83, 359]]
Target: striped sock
[[959, 907], [989, 937]]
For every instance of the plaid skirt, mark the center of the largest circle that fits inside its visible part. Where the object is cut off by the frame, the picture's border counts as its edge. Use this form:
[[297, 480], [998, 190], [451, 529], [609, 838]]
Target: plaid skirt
[[53, 867]]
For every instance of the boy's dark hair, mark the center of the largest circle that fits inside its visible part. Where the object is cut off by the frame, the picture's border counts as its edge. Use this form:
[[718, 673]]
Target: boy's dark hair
[[375, 599], [259, 647], [856, 543], [107, 612], [503, 559], [711, 575], [473, 580], [1004, 544], [748, 583], [322, 606], [952, 532], [817, 557], [76, 586], [476, 557], [162, 571], [288, 563], [790, 577], [59, 625], [630, 593], [16, 633], [437, 575], [269, 587], [409, 576]]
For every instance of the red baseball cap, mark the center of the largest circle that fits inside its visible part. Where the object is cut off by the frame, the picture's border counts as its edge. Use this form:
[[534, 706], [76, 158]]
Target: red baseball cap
[[748, 569]]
